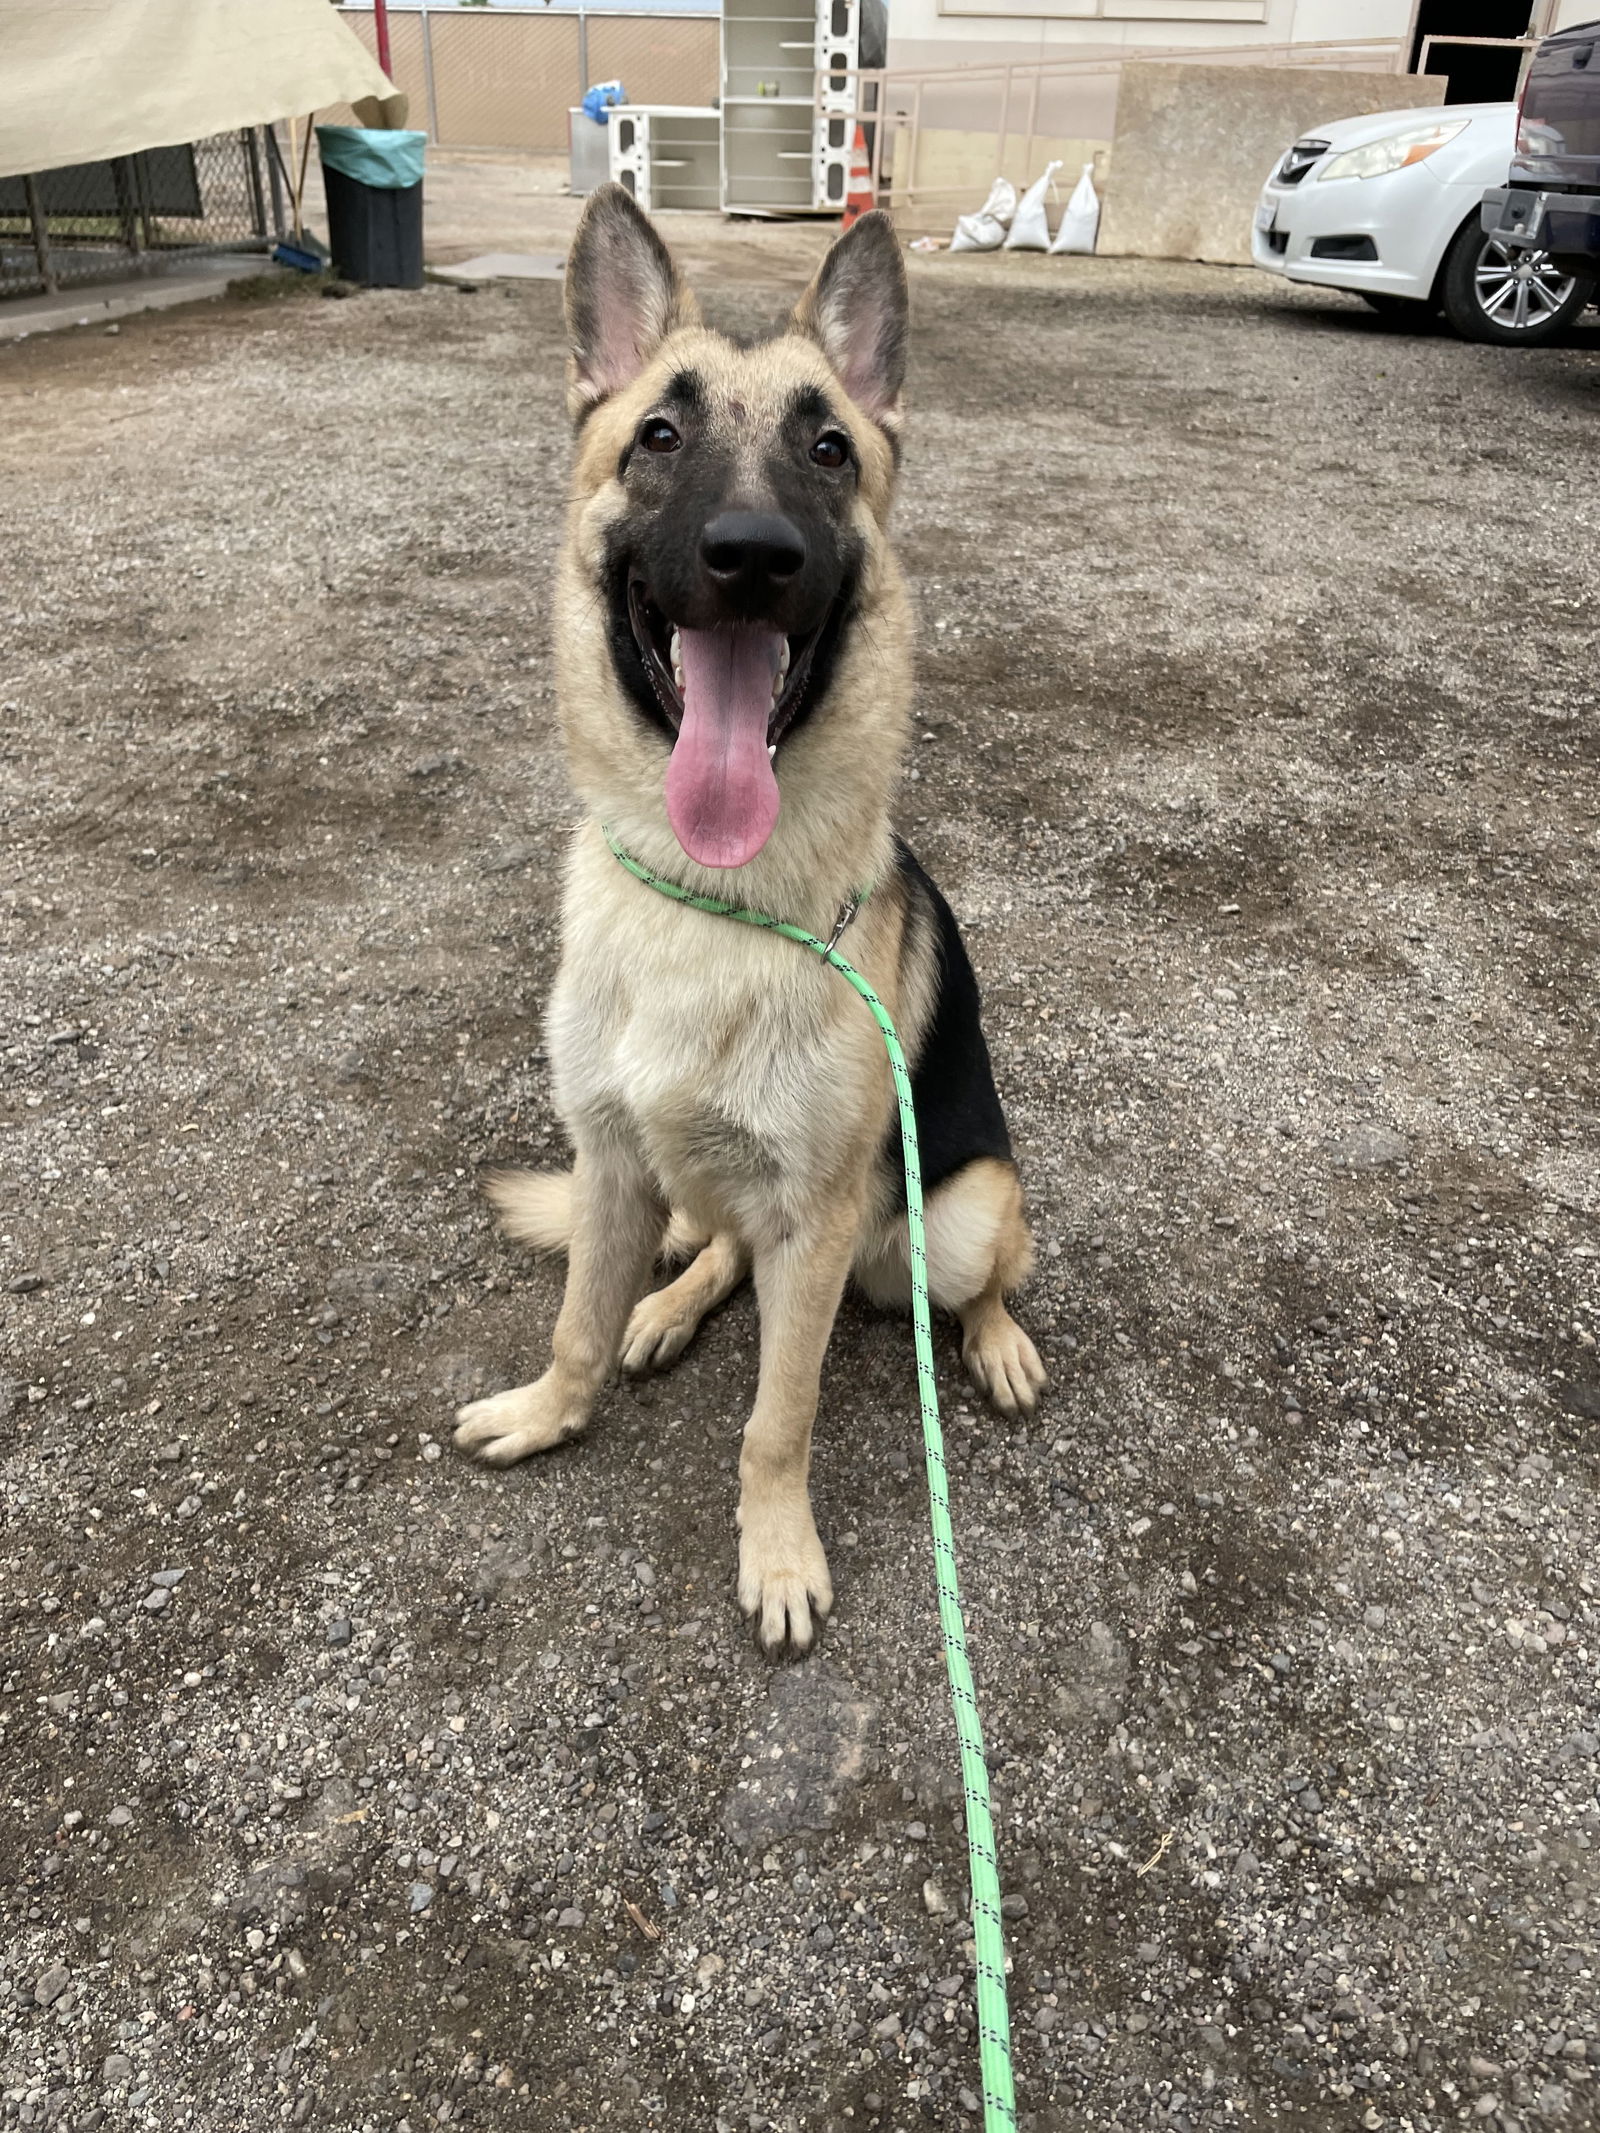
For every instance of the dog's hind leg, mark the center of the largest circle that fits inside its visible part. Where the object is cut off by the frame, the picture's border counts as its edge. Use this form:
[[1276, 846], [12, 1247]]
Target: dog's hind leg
[[1001, 1360], [664, 1323], [617, 1228], [975, 1222], [978, 1251]]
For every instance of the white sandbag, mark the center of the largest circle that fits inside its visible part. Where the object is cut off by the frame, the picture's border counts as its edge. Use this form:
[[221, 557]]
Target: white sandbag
[[1080, 225], [986, 230], [1030, 227]]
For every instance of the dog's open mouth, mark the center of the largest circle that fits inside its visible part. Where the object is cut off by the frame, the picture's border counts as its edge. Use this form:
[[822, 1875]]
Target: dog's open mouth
[[660, 645], [730, 695]]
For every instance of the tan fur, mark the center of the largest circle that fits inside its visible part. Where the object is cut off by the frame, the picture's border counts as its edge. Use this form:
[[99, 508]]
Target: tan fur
[[717, 1070], [664, 1323], [535, 1207]]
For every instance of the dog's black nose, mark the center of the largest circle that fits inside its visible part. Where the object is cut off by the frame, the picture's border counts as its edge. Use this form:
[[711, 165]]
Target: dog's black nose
[[752, 551]]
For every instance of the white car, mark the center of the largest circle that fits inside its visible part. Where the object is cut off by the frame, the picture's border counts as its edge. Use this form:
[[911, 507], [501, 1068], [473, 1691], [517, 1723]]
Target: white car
[[1388, 206]]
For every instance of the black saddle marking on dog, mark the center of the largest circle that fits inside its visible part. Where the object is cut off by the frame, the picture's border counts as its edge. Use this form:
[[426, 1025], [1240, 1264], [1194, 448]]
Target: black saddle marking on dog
[[959, 1116]]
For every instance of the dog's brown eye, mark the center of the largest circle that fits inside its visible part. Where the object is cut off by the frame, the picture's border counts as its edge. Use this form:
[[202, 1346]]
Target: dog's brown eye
[[830, 449], [659, 436]]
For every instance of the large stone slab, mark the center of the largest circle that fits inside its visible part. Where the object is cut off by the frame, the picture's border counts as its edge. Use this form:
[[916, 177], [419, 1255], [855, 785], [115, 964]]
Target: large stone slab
[[1194, 144], [807, 1749]]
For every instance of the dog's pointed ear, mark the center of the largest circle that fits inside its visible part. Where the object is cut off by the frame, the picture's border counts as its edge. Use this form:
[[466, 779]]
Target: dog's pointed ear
[[857, 310], [623, 298]]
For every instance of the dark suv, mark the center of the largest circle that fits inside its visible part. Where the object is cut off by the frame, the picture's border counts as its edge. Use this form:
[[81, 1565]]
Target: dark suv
[[1551, 201]]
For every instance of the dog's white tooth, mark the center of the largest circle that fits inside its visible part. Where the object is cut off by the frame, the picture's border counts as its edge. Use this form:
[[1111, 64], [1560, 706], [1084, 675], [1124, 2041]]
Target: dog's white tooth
[[772, 749], [675, 649]]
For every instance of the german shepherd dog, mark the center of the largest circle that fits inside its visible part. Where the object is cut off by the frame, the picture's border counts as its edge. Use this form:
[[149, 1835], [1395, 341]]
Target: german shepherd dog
[[734, 668]]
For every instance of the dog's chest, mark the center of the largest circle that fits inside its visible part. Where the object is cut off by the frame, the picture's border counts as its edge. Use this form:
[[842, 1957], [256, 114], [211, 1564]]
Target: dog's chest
[[726, 1060]]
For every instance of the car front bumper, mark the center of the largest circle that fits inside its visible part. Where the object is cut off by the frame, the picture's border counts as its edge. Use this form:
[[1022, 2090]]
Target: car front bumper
[[1566, 225], [1300, 229]]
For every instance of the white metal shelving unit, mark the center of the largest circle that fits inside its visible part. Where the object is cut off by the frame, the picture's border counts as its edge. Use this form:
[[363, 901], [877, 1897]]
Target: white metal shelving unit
[[788, 98], [667, 155]]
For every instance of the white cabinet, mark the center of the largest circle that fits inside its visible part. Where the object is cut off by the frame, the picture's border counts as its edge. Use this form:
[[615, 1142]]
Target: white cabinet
[[666, 155], [780, 154]]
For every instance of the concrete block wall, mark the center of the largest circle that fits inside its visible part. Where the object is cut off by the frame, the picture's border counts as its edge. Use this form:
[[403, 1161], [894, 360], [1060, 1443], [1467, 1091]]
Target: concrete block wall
[[1194, 144]]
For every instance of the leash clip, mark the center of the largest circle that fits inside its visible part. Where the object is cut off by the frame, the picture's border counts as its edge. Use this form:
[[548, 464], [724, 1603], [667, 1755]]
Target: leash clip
[[847, 911]]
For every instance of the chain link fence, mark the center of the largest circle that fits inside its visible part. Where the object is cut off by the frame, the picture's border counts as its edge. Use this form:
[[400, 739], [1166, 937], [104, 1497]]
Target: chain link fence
[[89, 222], [505, 78]]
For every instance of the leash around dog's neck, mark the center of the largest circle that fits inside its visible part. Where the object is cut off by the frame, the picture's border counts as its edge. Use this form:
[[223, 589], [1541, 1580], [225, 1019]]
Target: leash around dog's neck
[[994, 2021]]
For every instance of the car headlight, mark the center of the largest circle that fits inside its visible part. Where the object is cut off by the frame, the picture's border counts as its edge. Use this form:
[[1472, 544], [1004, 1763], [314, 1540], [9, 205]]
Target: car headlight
[[1394, 152]]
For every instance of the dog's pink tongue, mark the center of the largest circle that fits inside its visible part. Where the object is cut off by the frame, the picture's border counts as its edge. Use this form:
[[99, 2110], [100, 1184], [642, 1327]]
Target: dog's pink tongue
[[722, 799]]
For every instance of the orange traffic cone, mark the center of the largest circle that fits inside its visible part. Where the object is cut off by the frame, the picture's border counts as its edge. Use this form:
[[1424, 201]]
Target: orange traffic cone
[[860, 199]]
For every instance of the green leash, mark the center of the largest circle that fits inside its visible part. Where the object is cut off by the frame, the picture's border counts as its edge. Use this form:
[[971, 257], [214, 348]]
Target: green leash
[[994, 2020]]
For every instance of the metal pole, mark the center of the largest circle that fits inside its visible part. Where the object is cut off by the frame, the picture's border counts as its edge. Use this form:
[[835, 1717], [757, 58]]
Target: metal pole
[[875, 91], [1005, 125], [583, 51], [380, 22], [1033, 127], [258, 199], [427, 74], [41, 234], [275, 181], [127, 202]]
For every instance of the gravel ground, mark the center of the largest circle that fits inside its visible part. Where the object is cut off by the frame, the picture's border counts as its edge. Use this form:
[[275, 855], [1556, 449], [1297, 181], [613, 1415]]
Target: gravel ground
[[349, 1786]]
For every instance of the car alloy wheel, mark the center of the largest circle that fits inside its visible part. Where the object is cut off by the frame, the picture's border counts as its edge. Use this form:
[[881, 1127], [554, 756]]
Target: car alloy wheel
[[1518, 291]]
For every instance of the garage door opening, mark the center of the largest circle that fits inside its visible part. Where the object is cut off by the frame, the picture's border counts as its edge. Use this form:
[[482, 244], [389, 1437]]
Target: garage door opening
[[1478, 74]]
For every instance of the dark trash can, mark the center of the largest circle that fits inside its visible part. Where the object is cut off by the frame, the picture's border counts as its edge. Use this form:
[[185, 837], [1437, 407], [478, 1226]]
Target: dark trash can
[[372, 177]]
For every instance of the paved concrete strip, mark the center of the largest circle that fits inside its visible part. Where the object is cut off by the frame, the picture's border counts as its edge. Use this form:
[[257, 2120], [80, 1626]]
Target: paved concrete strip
[[505, 266], [121, 299]]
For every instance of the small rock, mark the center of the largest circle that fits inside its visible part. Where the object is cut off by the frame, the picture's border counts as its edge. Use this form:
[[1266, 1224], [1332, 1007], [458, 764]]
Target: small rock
[[170, 1579], [934, 1900], [51, 1984], [120, 1817], [571, 1916], [339, 1632], [117, 2067], [419, 1896], [153, 1602]]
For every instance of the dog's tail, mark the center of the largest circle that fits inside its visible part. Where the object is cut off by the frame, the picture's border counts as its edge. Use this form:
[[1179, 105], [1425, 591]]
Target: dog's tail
[[540, 1207], [537, 1207]]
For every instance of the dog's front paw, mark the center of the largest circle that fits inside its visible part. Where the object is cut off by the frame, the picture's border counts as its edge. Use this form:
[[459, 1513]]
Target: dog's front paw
[[512, 1425], [783, 1576]]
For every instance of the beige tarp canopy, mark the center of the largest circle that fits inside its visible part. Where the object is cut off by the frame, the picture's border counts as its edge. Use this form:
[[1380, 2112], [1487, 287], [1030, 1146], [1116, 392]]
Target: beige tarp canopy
[[84, 79]]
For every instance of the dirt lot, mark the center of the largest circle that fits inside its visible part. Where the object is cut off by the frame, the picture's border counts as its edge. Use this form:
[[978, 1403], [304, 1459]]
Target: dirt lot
[[348, 1786]]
